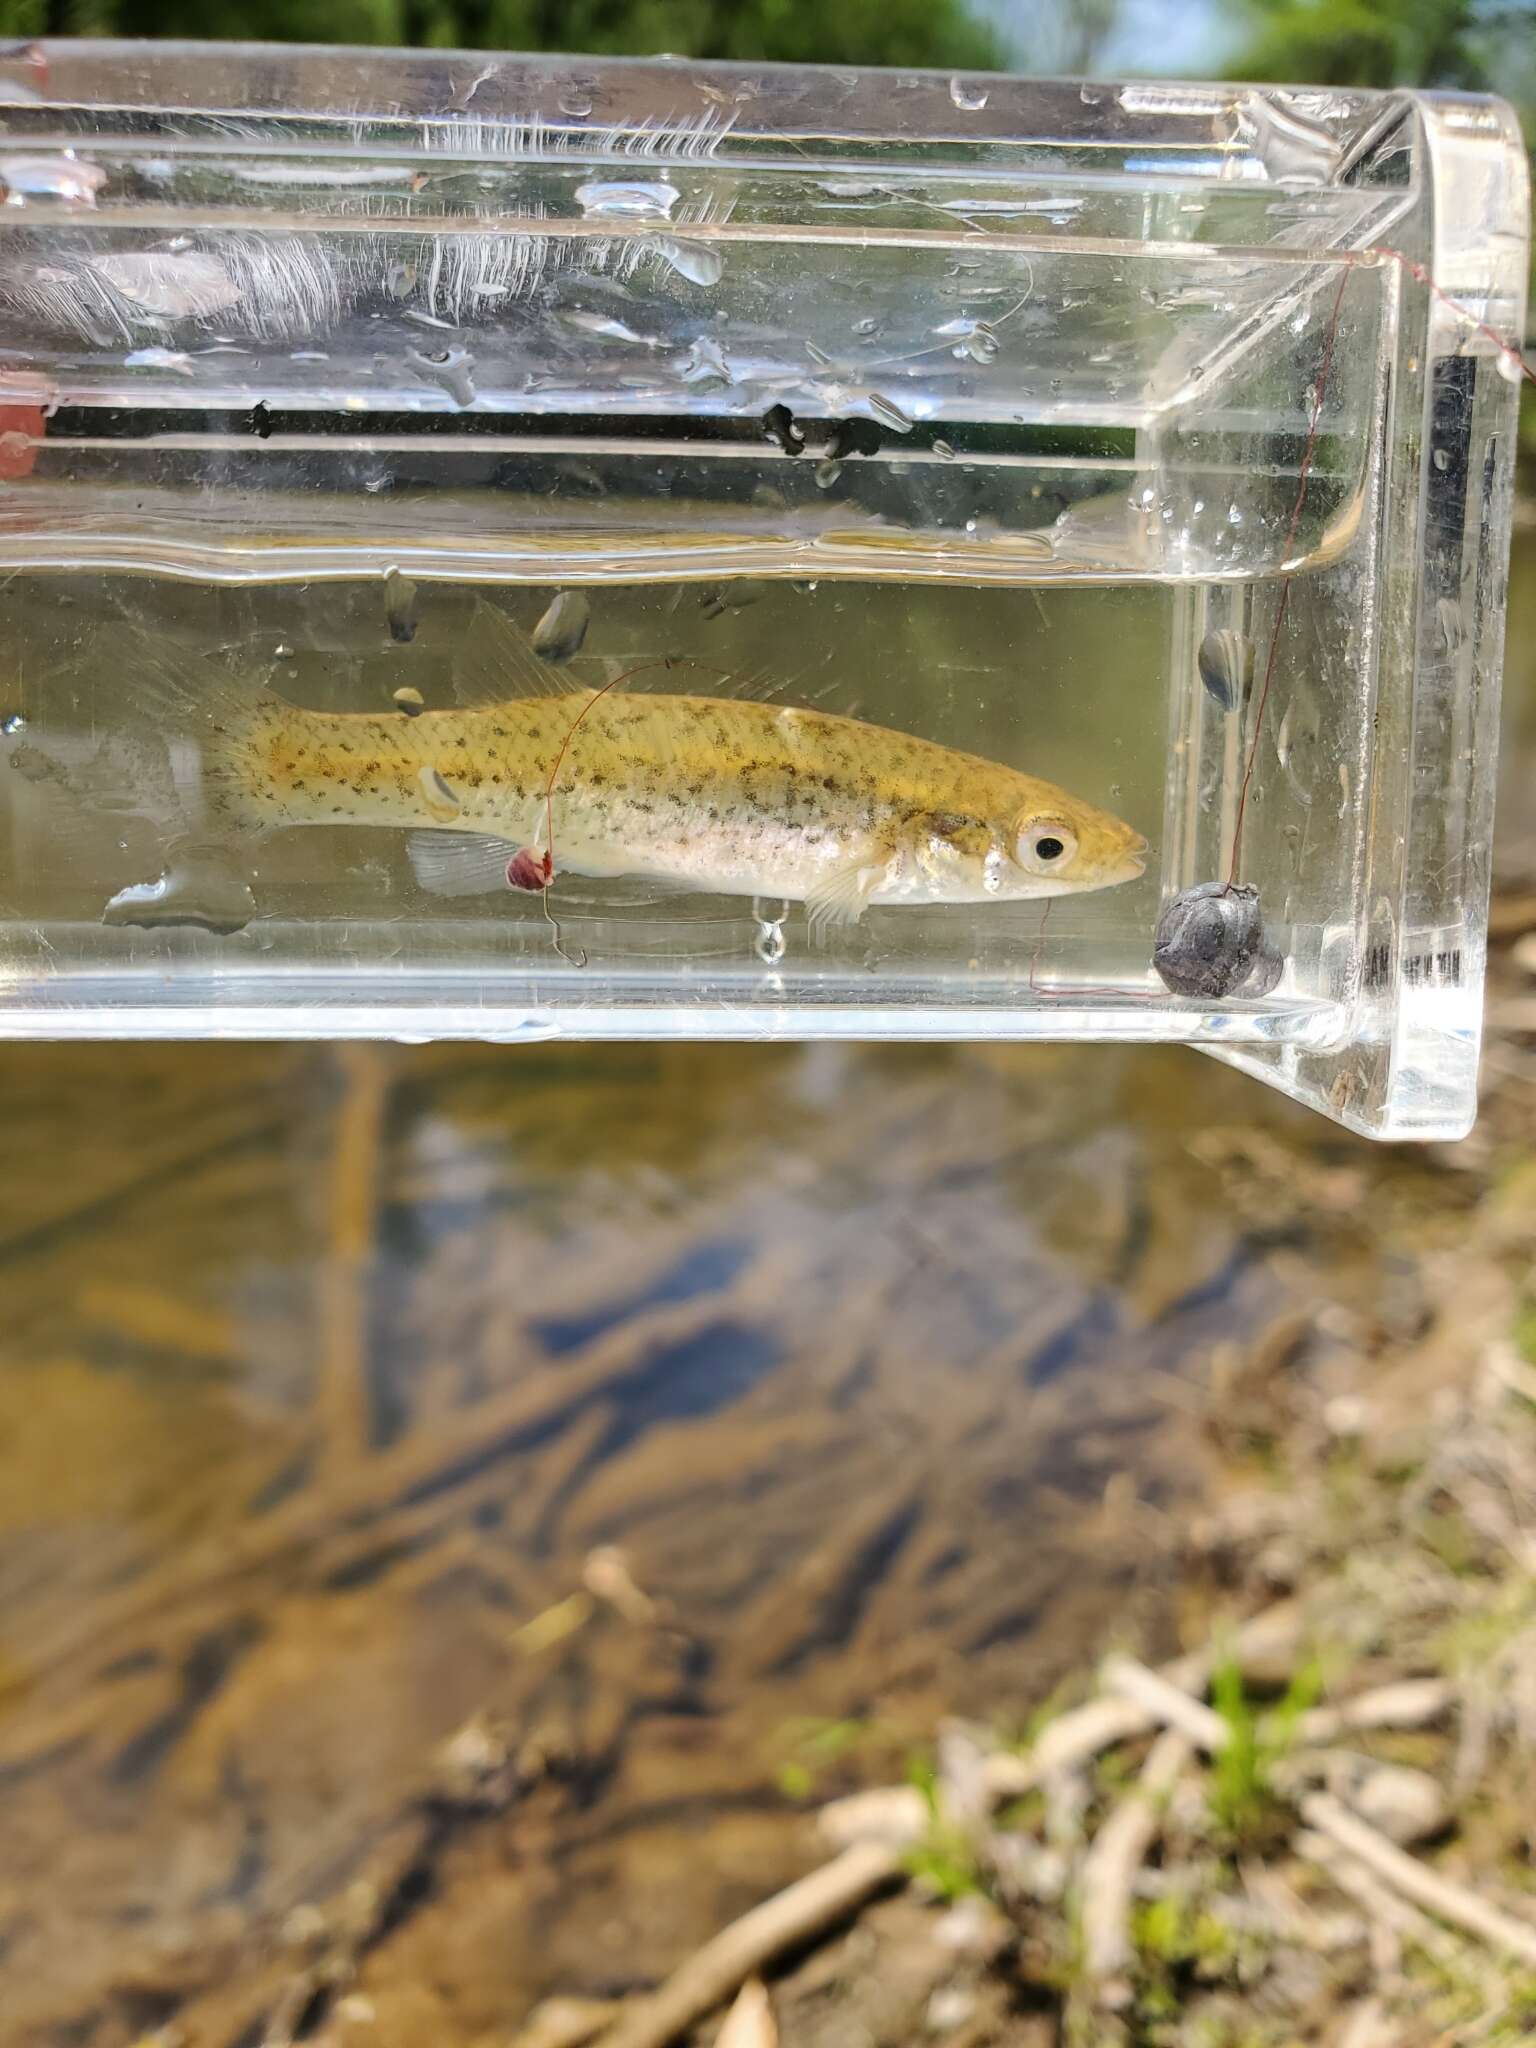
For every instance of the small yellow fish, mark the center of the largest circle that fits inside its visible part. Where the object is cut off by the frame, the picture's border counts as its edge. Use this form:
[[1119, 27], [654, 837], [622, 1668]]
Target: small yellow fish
[[726, 796]]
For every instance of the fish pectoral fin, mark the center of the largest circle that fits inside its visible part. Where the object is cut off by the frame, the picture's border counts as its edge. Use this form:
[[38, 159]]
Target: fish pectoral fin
[[840, 897], [460, 863], [493, 664]]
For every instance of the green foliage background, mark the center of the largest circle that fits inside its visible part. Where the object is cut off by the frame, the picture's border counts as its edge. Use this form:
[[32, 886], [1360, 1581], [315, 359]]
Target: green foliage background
[[1480, 45], [940, 32]]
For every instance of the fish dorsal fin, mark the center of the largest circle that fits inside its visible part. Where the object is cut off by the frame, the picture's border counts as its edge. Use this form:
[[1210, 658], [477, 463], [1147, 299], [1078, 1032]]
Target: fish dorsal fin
[[493, 662]]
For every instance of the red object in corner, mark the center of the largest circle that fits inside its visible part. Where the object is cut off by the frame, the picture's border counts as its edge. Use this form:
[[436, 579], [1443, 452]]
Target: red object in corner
[[18, 456]]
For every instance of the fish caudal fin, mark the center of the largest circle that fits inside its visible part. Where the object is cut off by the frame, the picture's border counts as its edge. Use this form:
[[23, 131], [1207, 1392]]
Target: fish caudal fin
[[200, 701]]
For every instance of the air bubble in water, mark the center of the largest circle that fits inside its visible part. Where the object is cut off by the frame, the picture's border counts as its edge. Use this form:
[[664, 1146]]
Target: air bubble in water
[[400, 607], [734, 596], [1225, 661], [576, 102], [12, 723], [563, 627], [770, 945], [970, 99], [204, 887]]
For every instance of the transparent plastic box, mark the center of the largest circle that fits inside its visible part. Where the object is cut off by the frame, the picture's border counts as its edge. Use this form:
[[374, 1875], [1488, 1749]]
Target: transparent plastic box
[[502, 547]]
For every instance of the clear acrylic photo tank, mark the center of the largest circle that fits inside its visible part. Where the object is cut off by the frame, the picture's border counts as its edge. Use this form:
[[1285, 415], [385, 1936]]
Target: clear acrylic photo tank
[[1008, 415]]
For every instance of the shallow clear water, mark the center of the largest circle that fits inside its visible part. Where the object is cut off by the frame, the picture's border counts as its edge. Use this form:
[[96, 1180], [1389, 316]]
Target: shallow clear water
[[326, 1370]]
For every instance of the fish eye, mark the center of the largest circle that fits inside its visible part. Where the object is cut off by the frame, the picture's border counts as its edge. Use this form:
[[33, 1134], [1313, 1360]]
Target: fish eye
[[1046, 846]]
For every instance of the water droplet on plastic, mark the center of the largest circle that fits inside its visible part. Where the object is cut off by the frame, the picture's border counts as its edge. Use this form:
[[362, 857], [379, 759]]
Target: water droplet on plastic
[[603, 326], [1291, 144], [410, 701], [972, 339], [631, 199], [705, 362], [889, 414], [173, 359], [969, 98], [827, 474], [1441, 459], [451, 368], [12, 723], [165, 286], [400, 607], [867, 326], [770, 945], [65, 176], [693, 260], [944, 451], [1298, 741], [576, 102], [563, 626], [1225, 661]]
